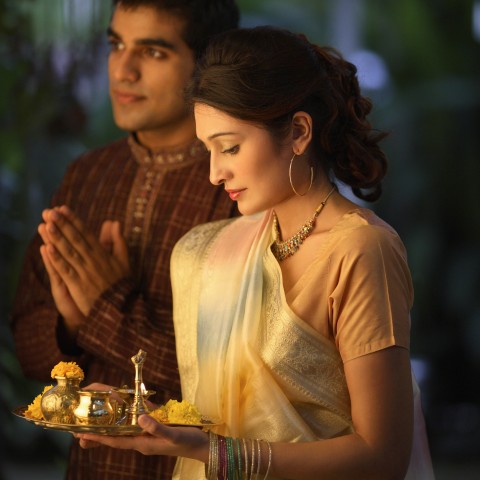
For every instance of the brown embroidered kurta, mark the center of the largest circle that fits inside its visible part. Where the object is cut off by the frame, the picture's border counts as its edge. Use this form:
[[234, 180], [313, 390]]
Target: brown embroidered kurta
[[157, 198]]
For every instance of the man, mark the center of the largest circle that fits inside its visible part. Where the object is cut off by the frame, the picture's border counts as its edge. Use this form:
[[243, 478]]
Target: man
[[95, 286]]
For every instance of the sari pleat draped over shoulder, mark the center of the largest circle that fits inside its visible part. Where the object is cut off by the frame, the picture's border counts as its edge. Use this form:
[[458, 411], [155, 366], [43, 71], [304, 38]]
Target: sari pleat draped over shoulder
[[244, 356]]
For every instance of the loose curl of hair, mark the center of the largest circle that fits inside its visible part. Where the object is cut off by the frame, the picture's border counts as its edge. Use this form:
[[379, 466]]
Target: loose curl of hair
[[264, 75]]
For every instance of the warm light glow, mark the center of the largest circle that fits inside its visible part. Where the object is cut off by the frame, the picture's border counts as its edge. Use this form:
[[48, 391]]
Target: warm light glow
[[143, 389]]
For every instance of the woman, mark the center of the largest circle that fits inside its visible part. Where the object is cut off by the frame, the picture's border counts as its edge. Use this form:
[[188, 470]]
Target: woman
[[292, 322]]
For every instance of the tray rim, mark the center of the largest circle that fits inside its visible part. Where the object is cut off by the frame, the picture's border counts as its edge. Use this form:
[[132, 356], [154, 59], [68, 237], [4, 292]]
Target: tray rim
[[74, 428], [105, 429]]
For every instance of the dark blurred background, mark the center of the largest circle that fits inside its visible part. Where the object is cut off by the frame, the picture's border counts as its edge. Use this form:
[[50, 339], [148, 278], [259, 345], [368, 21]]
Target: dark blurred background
[[419, 60]]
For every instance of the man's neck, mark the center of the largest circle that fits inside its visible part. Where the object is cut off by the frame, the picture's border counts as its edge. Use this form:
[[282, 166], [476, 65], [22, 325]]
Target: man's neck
[[166, 138]]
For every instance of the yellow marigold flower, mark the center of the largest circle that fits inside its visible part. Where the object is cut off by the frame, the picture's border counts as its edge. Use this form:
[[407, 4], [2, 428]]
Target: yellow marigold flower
[[67, 369], [182, 412], [160, 414], [177, 412], [34, 410]]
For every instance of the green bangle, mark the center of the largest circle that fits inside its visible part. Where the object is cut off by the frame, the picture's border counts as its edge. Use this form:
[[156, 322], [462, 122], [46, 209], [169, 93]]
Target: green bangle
[[230, 458], [239, 458]]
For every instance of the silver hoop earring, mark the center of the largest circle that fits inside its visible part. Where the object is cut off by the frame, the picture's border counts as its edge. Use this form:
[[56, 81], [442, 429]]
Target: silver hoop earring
[[290, 178]]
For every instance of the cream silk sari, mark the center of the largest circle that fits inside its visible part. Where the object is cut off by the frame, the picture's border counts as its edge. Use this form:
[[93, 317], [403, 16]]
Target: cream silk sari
[[244, 356]]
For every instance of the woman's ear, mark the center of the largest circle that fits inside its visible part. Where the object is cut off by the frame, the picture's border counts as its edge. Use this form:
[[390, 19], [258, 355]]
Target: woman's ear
[[301, 132]]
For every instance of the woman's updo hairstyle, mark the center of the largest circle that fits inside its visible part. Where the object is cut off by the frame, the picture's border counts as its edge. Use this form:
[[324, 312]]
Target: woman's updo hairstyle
[[265, 74]]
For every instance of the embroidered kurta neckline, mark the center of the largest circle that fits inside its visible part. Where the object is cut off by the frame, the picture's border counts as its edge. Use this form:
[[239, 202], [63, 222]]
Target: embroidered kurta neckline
[[180, 156]]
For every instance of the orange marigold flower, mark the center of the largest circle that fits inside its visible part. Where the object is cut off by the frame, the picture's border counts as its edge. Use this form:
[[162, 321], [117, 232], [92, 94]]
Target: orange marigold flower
[[67, 369], [34, 410]]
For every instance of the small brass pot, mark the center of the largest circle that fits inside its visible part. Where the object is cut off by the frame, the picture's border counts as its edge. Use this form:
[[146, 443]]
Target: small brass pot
[[94, 408]]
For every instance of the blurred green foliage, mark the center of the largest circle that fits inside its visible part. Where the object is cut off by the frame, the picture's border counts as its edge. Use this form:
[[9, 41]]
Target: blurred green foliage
[[55, 105]]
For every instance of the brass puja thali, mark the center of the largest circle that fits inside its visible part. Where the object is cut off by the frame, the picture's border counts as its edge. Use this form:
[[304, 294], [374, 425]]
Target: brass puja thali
[[74, 428], [67, 407], [116, 429]]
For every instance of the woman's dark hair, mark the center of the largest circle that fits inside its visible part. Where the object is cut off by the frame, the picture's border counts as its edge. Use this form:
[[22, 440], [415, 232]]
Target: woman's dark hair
[[264, 75], [203, 18]]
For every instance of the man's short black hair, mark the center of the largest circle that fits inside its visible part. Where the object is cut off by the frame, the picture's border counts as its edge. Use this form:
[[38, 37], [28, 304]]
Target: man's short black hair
[[203, 18]]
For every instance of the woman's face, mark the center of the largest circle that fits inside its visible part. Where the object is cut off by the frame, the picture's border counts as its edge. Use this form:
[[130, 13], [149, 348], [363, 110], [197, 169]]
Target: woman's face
[[244, 157]]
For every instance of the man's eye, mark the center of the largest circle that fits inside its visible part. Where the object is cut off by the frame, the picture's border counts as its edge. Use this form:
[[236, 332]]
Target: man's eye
[[115, 45], [232, 151], [154, 53]]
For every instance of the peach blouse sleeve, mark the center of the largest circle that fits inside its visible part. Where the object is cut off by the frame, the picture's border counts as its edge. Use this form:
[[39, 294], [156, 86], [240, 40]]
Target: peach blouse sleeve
[[370, 292]]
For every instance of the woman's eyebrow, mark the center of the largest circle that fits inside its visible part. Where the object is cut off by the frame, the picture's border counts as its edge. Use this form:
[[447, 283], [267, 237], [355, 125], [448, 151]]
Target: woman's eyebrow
[[219, 134]]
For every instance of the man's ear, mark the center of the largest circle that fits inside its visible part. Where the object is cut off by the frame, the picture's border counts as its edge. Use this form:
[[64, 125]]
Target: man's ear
[[301, 132]]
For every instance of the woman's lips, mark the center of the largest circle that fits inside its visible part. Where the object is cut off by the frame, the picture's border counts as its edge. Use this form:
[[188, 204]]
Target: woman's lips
[[234, 194]]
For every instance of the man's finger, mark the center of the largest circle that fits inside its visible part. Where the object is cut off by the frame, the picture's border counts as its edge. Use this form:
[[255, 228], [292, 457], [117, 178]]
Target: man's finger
[[55, 278], [112, 239], [120, 249], [69, 242], [61, 265], [78, 226], [106, 235]]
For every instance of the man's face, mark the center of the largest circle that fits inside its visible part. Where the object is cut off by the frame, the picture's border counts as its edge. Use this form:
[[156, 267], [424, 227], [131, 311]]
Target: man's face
[[149, 66]]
